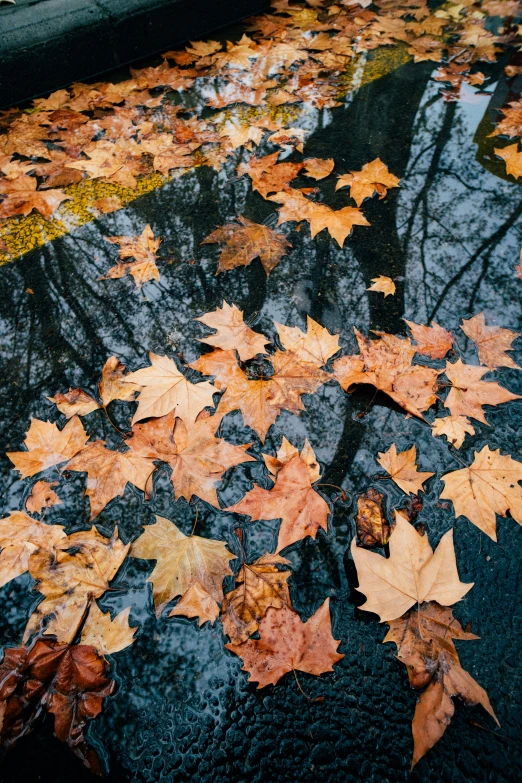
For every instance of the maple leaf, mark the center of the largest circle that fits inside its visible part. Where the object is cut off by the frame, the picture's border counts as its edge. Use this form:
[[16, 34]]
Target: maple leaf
[[76, 572], [47, 446], [424, 639], [373, 178], [454, 428], [241, 135], [318, 168], [144, 250], [287, 644], [245, 241], [267, 175], [20, 536], [181, 561], [402, 468], [259, 586], [373, 529], [24, 197], [492, 342], [106, 635], [198, 459], [165, 388], [67, 681], [75, 402], [487, 488], [386, 364], [292, 499], [232, 333], [109, 472], [432, 341], [511, 124], [289, 138], [197, 603], [317, 346], [285, 453], [512, 158], [469, 393], [383, 285], [412, 574], [42, 496]]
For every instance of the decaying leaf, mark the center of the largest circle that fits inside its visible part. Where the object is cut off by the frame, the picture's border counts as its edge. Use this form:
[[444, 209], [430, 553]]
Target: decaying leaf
[[42, 496], [373, 178], [106, 635], [492, 342], [259, 586], [232, 333], [454, 428], [292, 499], [490, 486], [432, 341], [269, 176], [469, 392], [412, 574], [244, 241], [386, 363], [181, 561], [77, 571], [164, 388], [48, 446], [20, 536], [373, 529], [70, 682], [383, 285], [402, 467], [144, 250], [287, 644]]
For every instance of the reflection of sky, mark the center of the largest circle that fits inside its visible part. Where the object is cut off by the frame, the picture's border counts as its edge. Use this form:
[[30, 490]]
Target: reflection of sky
[[184, 709]]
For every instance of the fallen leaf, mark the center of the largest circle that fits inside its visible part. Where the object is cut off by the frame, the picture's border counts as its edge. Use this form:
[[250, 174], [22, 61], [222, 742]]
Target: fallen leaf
[[48, 446], [338, 222], [292, 499], [259, 586], [20, 536], [509, 154], [164, 388], [468, 392], [432, 341], [197, 603], [244, 241], [373, 178], [411, 575], [490, 486], [232, 333], [287, 644], [75, 402], [402, 468], [181, 561], [317, 346], [386, 363], [109, 472], [106, 635], [492, 342], [107, 204], [267, 175], [318, 168], [288, 137], [112, 386], [144, 250], [383, 285], [71, 577], [373, 529], [454, 428], [285, 453], [42, 496], [23, 201]]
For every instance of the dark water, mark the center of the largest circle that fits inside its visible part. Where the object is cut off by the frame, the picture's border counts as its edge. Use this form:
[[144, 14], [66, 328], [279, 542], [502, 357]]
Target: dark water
[[451, 237]]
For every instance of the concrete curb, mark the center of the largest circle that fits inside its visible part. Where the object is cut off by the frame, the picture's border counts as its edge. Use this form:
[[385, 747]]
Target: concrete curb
[[47, 44]]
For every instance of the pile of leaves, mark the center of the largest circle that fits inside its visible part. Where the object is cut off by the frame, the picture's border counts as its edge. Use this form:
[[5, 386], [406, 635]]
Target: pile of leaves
[[177, 421]]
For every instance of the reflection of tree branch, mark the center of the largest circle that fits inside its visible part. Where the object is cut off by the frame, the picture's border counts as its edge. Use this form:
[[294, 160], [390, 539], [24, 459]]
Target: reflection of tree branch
[[488, 243]]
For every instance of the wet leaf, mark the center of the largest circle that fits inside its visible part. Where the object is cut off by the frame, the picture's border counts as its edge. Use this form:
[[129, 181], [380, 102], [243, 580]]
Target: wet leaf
[[318, 168], [20, 536], [373, 529], [492, 342], [267, 175], [42, 496], [512, 158], [383, 285], [48, 446], [454, 428], [244, 241], [373, 178], [402, 467], [196, 602], [468, 392], [106, 635], [285, 453], [232, 333], [315, 347], [433, 341], [144, 250]]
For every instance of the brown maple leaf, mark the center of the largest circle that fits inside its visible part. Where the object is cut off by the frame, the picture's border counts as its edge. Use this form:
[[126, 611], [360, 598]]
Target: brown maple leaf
[[144, 250], [317, 346], [454, 428], [24, 197], [109, 472], [492, 342], [383, 285], [244, 241], [469, 392], [511, 123], [402, 468], [105, 634], [259, 586], [48, 446], [267, 175], [373, 178], [20, 536], [512, 158], [292, 499], [318, 168], [413, 573], [232, 333], [285, 453], [42, 496], [432, 341], [386, 363], [373, 529], [287, 644]]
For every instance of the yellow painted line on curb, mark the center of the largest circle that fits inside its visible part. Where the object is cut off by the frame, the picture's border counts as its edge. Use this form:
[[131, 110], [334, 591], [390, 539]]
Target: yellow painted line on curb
[[20, 235]]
